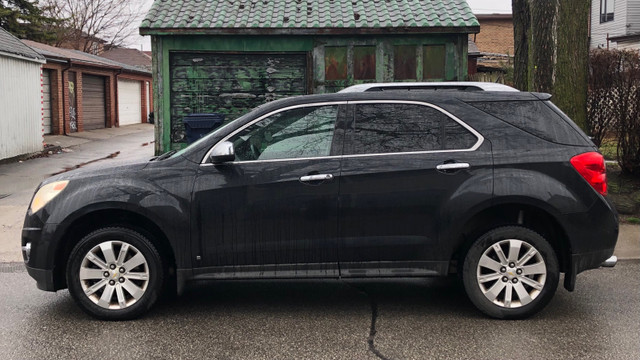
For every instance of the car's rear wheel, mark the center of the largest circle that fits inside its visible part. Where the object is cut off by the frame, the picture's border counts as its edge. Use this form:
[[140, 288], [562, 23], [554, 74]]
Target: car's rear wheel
[[115, 274], [510, 273]]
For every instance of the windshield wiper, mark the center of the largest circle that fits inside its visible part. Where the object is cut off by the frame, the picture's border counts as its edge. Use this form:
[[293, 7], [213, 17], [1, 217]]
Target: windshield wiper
[[164, 156]]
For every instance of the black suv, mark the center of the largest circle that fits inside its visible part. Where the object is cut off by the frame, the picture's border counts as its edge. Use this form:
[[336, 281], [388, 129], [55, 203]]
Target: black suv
[[499, 187]]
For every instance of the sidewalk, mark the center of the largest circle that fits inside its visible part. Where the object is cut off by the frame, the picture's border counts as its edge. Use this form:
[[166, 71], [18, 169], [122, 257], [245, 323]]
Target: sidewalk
[[19, 180]]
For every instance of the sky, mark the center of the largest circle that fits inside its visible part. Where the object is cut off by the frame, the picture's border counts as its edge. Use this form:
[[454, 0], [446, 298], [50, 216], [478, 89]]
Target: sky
[[478, 7]]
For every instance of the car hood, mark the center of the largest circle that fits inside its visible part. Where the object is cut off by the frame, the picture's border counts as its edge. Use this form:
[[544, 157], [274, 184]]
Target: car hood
[[98, 170]]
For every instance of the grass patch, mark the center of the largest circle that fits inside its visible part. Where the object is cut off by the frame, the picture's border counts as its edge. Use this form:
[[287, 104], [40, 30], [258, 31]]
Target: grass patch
[[609, 149], [632, 220]]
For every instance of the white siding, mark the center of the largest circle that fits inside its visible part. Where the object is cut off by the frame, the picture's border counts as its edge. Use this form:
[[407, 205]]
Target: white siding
[[633, 16], [616, 27], [20, 107], [46, 101], [629, 45], [129, 102]]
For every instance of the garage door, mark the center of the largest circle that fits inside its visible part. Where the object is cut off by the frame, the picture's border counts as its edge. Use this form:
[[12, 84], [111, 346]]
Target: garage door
[[93, 103], [129, 102], [231, 84], [46, 101]]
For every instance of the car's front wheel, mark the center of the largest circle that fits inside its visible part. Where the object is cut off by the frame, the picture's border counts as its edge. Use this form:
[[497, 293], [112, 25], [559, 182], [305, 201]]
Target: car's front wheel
[[510, 273], [115, 274]]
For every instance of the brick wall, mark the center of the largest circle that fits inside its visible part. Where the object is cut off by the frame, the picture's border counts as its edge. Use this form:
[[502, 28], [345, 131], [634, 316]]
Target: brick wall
[[496, 34]]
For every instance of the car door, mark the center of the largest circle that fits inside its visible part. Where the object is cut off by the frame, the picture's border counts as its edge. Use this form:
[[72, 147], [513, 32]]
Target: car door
[[273, 211], [405, 163]]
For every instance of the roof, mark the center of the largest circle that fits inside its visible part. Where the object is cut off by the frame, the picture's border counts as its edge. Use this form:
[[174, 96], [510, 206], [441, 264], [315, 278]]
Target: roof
[[417, 86], [55, 53], [131, 57], [494, 17], [307, 17], [11, 45], [626, 37], [473, 49]]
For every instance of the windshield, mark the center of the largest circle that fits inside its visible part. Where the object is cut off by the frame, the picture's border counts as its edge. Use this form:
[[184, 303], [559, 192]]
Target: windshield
[[205, 138]]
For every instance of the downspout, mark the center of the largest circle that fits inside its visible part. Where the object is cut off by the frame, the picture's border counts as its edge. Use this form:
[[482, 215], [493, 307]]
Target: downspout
[[117, 115], [65, 95]]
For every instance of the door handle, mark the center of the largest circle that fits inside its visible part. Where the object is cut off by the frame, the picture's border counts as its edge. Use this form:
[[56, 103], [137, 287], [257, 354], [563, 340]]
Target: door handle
[[318, 177], [452, 166]]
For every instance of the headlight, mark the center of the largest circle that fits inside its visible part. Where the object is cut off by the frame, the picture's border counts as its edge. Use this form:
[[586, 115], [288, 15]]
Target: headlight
[[46, 194]]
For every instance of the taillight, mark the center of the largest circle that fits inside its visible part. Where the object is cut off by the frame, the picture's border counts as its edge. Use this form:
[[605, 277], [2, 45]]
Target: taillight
[[591, 166]]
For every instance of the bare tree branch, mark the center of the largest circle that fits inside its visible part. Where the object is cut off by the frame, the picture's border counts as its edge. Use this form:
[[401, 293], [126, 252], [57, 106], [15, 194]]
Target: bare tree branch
[[93, 25]]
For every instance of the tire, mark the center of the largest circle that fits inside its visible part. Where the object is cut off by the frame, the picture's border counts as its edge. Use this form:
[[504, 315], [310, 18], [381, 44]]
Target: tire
[[115, 274], [510, 286]]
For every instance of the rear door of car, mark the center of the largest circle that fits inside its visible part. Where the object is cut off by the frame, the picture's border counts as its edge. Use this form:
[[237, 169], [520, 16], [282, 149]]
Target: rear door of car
[[404, 164]]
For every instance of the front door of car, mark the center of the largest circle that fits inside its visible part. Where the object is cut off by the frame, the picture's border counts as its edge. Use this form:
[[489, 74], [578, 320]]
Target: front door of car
[[273, 211], [405, 164]]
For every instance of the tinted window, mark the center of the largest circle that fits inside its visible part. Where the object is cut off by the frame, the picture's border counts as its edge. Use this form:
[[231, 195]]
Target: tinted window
[[390, 128], [534, 117], [296, 133]]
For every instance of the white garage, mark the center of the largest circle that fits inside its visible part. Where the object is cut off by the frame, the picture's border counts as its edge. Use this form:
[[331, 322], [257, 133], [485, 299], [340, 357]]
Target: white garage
[[129, 102]]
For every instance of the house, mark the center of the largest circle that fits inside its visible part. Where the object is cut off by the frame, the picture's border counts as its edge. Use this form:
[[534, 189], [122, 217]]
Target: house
[[230, 56], [139, 59], [615, 24], [20, 98], [495, 45], [87, 92], [132, 57]]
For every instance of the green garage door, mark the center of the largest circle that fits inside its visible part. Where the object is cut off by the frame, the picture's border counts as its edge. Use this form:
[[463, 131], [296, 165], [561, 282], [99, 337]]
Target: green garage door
[[231, 84]]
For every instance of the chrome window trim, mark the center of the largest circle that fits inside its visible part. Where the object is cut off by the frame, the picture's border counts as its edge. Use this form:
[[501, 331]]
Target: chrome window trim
[[479, 142]]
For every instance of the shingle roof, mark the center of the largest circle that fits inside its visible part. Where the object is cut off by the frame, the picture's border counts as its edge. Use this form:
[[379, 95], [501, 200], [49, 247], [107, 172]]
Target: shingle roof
[[49, 51], [307, 16], [132, 57], [12, 45]]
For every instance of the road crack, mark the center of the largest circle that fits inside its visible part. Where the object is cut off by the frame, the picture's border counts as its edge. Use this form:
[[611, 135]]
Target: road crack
[[372, 329]]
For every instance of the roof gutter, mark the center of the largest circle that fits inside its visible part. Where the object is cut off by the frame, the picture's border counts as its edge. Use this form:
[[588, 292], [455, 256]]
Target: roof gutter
[[24, 58], [312, 31]]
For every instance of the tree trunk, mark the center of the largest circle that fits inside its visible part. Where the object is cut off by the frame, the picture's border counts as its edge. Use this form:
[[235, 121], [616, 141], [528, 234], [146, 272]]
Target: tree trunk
[[570, 88], [543, 45], [521, 31]]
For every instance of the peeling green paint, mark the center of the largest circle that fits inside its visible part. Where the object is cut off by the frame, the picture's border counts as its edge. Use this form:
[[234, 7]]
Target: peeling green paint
[[232, 87]]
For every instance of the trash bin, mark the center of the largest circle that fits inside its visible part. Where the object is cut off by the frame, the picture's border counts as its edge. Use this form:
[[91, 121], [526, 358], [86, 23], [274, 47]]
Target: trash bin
[[198, 125]]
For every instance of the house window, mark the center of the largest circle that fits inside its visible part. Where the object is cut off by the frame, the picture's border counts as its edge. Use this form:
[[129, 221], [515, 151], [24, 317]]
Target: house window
[[364, 62], [606, 10], [433, 62], [404, 62], [335, 63]]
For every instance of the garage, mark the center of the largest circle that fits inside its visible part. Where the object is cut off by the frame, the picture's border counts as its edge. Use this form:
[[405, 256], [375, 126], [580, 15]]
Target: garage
[[129, 102], [46, 101], [93, 102], [232, 84]]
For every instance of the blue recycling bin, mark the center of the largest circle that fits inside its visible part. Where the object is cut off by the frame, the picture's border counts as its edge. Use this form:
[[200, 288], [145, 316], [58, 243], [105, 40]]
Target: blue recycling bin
[[198, 125]]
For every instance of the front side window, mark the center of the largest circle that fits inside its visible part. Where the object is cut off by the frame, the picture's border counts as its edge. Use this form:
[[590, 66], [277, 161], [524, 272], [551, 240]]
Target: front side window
[[606, 10], [393, 128], [297, 133]]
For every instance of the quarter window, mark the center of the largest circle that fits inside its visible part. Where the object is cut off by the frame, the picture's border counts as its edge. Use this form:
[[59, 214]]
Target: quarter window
[[296, 133], [392, 128]]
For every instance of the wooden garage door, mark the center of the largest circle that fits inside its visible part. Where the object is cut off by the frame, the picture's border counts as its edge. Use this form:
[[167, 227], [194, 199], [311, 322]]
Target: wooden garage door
[[93, 102], [46, 101], [129, 102], [231, 84]]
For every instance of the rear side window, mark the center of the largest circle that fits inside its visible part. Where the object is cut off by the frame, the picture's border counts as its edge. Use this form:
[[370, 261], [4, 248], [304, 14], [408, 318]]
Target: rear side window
[[393, 128], [534, 117]]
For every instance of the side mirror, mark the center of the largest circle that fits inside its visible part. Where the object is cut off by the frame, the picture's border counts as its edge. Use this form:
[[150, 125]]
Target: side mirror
[[223, 152]]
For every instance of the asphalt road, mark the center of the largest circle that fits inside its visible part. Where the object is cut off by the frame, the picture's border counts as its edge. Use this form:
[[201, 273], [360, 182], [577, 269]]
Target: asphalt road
[[407, 319]]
